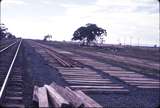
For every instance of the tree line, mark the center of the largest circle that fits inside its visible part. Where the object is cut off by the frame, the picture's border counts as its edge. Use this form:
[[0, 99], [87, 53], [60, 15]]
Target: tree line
[[88, 34], [4, 34]]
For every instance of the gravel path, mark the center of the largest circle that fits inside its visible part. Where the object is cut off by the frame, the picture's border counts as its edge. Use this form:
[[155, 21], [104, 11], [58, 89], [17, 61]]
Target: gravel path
[[37, 72]]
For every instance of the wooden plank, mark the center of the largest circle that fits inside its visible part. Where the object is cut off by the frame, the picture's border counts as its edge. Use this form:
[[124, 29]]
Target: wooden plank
[[147, 87], [112, 90], [137, 79], [56, 99], [86, 79], [35, 91], [96, 76], [42, 97], [66, 68], [80, 74], [144, 84], [127, 75], [119, 72], [77, 71], [73, 68], [148, 82], [91, 84], [101, 87], [111, 68], [68, 94], [90, 81], [73, 98], [88, 102], [80, 79], [101, 65]]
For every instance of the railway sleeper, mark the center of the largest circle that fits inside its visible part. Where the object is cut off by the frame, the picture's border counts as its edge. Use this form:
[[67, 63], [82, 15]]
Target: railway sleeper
[[15, 93], [15, 84], [12, 100], [14, 88]]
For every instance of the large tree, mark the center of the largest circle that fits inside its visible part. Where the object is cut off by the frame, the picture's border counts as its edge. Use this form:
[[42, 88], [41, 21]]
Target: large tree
[[89, 33]]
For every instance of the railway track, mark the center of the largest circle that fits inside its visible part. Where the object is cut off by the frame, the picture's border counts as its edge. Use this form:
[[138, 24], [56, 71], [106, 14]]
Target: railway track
[[11, 82], [151, 67], [81, 73], [6, 46], [78, 76], [97, 78], [130, 78]]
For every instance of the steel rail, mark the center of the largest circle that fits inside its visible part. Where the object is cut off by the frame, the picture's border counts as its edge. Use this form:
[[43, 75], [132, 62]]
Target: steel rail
[[7, 47], [64, 63], [58, 58], [55, 55], [9, 70]]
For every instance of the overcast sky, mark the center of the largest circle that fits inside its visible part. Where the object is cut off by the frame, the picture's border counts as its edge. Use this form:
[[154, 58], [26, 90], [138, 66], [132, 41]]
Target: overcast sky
[[124, 20]]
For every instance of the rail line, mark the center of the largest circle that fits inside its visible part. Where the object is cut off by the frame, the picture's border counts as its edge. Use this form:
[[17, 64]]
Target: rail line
[[62, 60], [95, 77], [131, 78], [8, 47], [82, 78], [11, 89]]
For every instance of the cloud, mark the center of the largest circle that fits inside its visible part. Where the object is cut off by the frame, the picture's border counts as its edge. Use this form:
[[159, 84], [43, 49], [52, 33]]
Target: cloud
[[128, 5], [46, 2], [121, 18], [13, 2]]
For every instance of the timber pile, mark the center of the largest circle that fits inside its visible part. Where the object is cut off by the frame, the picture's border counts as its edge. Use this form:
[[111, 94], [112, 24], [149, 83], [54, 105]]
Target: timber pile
[[57, 96]]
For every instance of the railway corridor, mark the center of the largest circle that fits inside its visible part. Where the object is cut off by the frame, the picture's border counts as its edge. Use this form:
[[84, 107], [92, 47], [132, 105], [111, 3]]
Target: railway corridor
[[77, 76], [131, 78], [89, 80], [37, 64], [11, 73]]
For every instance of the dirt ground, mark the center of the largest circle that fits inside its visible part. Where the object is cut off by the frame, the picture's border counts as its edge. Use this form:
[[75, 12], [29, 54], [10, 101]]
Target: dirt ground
[[38, 72]]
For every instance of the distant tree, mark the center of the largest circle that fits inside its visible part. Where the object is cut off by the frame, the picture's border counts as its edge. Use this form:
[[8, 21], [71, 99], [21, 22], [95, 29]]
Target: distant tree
[[89, 33], [3, 31], [155, 46], [47, 37], [10, 36]]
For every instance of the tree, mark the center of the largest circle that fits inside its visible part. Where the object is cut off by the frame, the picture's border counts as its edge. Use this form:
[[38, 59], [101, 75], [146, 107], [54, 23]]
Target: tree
[[89, 33], [3, 31], [47, 37], [10, 36]]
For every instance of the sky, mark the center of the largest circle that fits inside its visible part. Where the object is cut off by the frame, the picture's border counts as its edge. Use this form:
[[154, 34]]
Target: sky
[[126, 21]]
